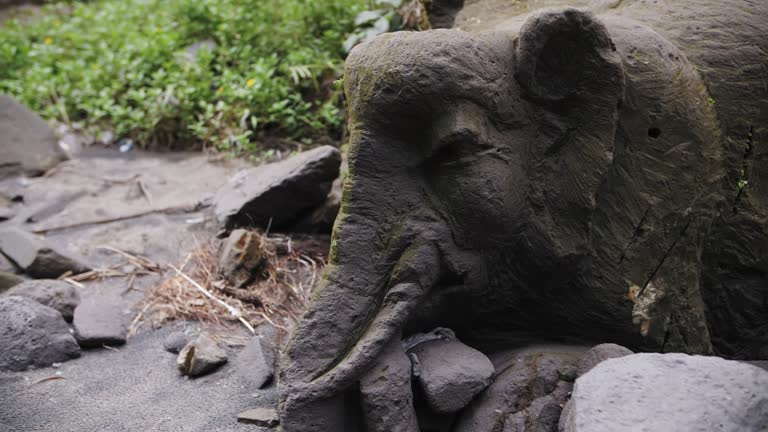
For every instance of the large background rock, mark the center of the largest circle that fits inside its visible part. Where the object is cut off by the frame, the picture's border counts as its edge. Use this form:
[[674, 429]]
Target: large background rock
[[33, 335], [279, 191], [27, 143], [669, 392]]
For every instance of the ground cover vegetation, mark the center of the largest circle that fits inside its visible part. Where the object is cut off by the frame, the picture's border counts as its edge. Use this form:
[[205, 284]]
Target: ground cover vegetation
[[217, 74]]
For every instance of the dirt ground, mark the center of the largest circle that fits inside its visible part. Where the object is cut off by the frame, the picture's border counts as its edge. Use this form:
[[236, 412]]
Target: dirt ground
[[148, 205]]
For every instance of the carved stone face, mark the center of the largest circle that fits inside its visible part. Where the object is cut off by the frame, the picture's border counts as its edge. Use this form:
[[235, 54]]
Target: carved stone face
[[498, 183]]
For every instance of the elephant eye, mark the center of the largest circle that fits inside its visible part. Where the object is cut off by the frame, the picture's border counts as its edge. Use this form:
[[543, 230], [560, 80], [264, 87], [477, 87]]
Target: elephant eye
[[455, 148]]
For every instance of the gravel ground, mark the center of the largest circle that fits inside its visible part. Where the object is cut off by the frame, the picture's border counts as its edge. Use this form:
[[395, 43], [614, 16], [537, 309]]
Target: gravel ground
[[137, 388]]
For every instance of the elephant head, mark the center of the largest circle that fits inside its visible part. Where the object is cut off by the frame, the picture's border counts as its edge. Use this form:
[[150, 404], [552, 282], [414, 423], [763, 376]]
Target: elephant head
[[475, 168]]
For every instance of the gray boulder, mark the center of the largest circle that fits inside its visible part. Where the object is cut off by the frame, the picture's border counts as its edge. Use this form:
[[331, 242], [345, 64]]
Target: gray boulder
[[451, 373], [669, 392], [55, 294], [600, 353], [27, 143], [33, 335], [99, 321], [255, 364], [279, 192], [36, 257], [201, 356]]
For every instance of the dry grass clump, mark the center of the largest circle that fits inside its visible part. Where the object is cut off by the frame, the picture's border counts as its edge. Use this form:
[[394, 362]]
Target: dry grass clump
[[195, 291]]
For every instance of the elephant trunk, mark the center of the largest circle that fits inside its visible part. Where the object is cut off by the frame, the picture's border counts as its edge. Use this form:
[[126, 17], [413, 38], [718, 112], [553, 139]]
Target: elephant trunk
[[385, 257]]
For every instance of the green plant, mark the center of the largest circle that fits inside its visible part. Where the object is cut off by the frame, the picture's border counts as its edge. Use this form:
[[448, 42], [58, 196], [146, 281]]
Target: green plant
[[268, 68]]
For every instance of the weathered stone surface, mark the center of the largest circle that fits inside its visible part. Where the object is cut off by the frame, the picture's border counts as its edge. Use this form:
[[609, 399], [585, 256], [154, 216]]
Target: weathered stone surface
[[241, 257], [32, 335], [528, 391], [257, 361], [659, 392], [8, 280], [35, 257], [264, 417], [27, 143], [100, 320], [201, 356], [599, 354], [176, 341], [59, 295], [386, 392], [516, 184], [280, 191], [451, 373]]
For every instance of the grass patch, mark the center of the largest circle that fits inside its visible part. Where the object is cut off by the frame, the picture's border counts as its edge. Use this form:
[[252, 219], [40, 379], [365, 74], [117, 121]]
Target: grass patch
[[267, 68]]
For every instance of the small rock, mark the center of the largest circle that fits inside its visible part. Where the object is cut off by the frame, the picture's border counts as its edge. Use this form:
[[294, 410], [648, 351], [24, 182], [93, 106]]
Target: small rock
[[668, 392], [200, 356], [8, 280], [277, 194], [35, 257], [175, 342], [56, 294], [33, 335], [241, 257], [451, 373], [256, 362], [598, 354], [27, 143], [100, 321], [263, 417]]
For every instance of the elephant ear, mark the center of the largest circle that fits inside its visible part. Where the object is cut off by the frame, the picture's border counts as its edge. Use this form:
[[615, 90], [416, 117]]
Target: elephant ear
[[570, 71], [564, 54]]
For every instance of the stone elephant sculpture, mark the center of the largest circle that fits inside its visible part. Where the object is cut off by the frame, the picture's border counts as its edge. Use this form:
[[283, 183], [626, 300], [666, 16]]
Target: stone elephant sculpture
[[556, 182]]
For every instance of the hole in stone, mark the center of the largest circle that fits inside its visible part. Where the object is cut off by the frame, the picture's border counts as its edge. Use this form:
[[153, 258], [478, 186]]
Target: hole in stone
[[654, 132]]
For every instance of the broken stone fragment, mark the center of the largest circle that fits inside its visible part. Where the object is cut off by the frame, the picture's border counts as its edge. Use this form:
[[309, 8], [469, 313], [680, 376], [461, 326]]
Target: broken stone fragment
[[99, 321], [451, 373], [263, 417], [35, 257], [668, 392], [33, 335], [241, 258], [201, 356], [255, 364], [600, 353], [59, 295], [278, 194]]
